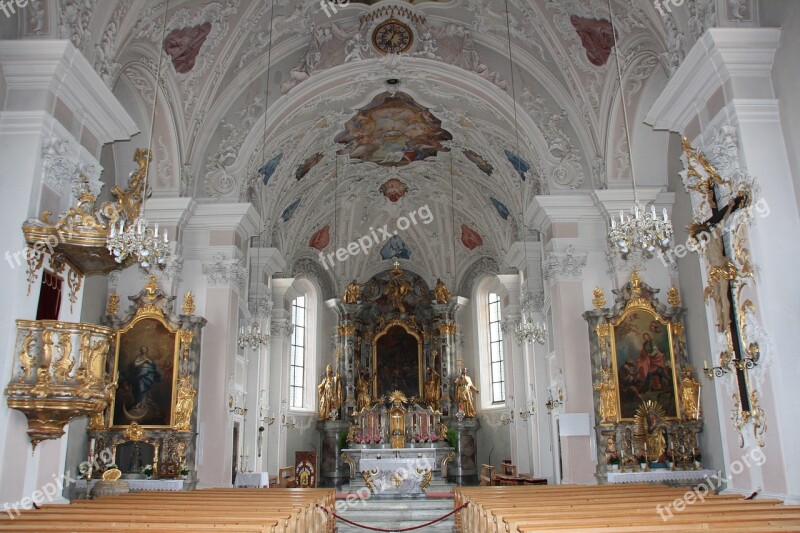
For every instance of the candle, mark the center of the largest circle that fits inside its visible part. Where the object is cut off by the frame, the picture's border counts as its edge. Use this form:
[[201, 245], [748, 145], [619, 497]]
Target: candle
[[697, 411], [665, 214], [705, 364]]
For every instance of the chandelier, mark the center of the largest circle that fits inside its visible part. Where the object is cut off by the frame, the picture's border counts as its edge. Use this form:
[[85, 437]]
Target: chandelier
[[138, 239], [642, 230], [252, 336], [528, 331]]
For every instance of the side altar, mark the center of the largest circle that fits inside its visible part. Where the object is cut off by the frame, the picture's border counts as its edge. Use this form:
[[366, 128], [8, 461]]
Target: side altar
[[395, 388]]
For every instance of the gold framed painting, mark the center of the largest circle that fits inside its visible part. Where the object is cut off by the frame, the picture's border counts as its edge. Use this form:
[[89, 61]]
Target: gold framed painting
[[146, 364], [397, 360], [643, 359]]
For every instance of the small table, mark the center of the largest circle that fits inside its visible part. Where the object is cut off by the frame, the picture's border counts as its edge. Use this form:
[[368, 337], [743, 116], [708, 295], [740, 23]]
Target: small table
[[252, 479]]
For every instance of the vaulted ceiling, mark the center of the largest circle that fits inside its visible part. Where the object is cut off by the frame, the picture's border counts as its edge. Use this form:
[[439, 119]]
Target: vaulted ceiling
[[343, 138]]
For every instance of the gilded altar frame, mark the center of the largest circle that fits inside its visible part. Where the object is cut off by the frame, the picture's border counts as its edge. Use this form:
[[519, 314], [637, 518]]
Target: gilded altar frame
[[639, 305], [172, 346], [411, 331]]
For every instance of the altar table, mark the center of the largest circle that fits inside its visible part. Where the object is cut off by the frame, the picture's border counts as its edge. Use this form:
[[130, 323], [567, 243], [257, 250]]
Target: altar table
[[252, 479], [660, 476]]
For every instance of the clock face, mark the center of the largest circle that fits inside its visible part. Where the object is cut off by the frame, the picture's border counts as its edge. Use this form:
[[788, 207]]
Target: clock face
[[392, 37]]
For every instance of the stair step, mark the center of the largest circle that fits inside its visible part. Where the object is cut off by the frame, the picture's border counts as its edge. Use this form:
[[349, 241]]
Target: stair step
[[395, 513]]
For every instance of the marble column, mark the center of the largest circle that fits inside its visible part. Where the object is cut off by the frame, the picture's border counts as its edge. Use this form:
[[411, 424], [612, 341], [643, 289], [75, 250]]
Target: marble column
[[464, 470]]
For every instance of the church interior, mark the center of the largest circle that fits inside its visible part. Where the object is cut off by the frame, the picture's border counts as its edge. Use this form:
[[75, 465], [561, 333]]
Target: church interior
[[443, 265]]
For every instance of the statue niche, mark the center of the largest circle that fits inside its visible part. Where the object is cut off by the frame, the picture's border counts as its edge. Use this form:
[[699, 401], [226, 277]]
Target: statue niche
[[397, 363]]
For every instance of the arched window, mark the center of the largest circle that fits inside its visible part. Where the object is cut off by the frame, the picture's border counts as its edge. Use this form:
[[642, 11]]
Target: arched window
[[297, 355], [488, 316], [496, 356], [302, 364]]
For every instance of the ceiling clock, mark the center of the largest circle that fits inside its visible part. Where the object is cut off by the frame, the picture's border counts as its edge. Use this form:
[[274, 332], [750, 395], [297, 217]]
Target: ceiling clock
[[392, 37]]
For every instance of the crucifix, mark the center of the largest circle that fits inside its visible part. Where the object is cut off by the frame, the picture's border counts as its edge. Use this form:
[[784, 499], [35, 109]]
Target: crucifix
[[723, 275]]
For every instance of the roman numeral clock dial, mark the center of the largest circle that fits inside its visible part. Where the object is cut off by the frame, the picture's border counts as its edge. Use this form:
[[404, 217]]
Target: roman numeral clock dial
[[392, 37]]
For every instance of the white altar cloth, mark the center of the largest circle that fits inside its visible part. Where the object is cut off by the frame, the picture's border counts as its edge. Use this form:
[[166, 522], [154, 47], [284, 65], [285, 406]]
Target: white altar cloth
[[252, 479], [660, 475], [138, 484]]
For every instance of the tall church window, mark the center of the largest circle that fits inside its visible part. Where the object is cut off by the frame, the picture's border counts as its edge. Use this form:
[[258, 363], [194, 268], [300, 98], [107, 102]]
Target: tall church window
[[297, 363], [498, 367]]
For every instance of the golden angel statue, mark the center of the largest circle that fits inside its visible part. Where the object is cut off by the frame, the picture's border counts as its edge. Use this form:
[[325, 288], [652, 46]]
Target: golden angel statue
[[184, 404], [432, 391], [330, 393], [464, 390], [608, 396], [363, 396], [441, 292], [353, 293]]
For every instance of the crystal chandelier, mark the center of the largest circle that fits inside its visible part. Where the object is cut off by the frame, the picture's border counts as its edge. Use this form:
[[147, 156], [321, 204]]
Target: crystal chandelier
[[528, 331], [137, 239], [641, 231], [252, 336]]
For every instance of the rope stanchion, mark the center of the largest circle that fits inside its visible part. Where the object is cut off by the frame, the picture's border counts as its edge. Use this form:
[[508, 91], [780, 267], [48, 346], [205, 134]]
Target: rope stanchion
[[426, 524]]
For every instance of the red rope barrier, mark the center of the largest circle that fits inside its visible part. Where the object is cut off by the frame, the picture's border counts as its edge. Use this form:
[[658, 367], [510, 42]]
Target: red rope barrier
[[333, 514]]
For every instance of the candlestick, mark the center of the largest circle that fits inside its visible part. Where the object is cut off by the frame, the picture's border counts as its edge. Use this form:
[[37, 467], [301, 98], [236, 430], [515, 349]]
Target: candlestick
[[697, 411]]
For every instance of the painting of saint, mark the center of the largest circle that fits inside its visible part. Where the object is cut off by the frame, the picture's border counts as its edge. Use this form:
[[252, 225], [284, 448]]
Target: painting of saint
[[395, 247], [269, 168], [519, 164], [397, 363], [307, 165], [644, 363], [146, 366], [392, 130], [479, 161]]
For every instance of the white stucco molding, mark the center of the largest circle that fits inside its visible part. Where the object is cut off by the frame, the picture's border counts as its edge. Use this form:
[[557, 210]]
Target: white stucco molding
[[38, 74], [737, 61]]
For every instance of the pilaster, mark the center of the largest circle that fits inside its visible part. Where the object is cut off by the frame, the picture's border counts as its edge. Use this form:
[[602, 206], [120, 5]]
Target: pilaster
[[722, 99]]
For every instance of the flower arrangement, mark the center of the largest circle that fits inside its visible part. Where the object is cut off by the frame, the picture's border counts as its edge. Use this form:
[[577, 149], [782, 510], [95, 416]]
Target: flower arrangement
[[425, 437], [416, 437], [697, 456], [641, 458], [670, 456], [184, 472], [434, 438], [148, 470], [613, 458], [376, 439]]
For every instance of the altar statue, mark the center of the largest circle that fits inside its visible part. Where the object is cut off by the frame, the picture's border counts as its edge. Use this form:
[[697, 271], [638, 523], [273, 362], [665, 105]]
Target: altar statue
[[330, 393], [397, 288], [184, 404], [441, 292], [363, 396], [608, 396], [432, 390], [464, 389], [690, 394], [352, 293]]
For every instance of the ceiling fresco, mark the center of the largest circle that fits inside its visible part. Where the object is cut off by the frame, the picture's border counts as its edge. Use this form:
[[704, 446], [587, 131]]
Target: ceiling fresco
[[309, 143], [392, 130]]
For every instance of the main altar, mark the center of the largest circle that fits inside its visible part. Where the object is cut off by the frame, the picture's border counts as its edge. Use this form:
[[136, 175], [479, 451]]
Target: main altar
[[394, 405]]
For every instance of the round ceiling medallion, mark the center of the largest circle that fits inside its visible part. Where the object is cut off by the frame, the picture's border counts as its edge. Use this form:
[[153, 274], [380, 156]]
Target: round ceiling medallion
[[392, 37]]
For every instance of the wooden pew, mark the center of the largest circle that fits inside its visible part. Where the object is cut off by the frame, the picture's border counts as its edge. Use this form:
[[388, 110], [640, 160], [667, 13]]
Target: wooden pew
[[240, 510], [614, 508]]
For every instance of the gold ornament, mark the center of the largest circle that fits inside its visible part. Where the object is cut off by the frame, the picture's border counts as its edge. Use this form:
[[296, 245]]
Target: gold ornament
[[442, 293], [188, 307], [112, 307], [674, 297], [599, 300], [184, 404]]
